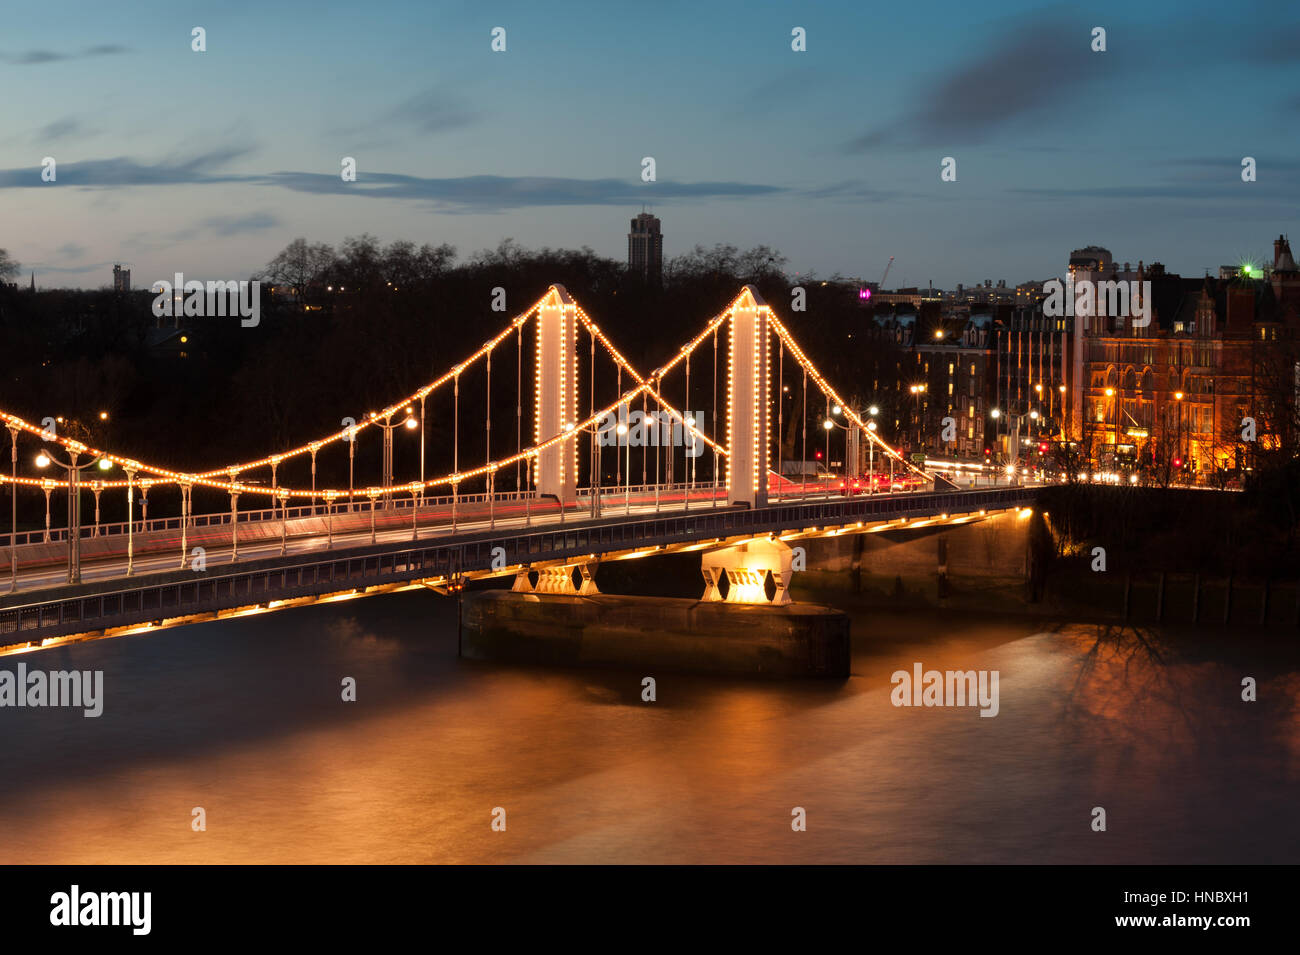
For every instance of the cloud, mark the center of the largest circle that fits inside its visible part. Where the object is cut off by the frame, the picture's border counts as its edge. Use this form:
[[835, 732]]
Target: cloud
[[120, 171], [1280, 43], [71, 250], [463, 194], [62, 129], [1221, 190], [432, 111], [223, 226], [499, 193], [429, 112], [235, 225], [1031, 70], [853, 189], [37, 57]]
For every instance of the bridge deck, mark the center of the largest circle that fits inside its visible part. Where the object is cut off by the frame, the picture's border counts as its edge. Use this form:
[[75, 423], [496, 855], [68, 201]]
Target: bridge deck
[[114, 606]]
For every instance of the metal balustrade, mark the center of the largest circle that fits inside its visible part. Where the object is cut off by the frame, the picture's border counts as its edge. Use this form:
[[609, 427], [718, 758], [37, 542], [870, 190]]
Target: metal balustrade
[[306, 575]]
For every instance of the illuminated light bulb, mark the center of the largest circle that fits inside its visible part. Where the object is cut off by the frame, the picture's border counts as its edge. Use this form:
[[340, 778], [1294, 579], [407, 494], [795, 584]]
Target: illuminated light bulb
[[105, 464], [828, 424], [873, 410], [42, 460]]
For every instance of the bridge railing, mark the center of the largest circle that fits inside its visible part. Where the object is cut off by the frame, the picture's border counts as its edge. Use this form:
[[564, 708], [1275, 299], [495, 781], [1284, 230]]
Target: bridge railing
[[306, 575], [361, 505]]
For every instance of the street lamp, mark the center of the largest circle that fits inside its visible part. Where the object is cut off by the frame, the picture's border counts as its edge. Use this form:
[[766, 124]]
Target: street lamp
[[871, 455], [917, 391], [627, 493], [1110, 393], [13, 497], [43, 460], [1178, 431], [388, 427]]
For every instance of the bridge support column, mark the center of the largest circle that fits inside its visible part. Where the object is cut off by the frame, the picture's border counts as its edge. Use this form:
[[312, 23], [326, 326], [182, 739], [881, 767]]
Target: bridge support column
[[749, 373], [746, 566], [557, 394], [558, 580]]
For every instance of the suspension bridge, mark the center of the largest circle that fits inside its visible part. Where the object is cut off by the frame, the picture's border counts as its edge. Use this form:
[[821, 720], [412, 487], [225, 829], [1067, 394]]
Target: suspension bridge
[[544, 513]]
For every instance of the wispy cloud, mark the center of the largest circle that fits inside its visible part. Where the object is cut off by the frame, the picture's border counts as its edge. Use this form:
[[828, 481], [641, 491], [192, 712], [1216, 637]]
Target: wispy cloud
[[38, 57], [429, 112], [462, 194], [499, 193], [1032, 68], [120, 171], [62, 129], [853, 189], [433, 111], [235, 225]]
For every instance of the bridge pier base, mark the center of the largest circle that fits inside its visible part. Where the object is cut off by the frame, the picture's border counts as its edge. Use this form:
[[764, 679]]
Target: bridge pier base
[[647, 635]]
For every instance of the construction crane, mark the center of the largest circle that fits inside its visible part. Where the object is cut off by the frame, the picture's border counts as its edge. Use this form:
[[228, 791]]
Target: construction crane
[[888, 265]]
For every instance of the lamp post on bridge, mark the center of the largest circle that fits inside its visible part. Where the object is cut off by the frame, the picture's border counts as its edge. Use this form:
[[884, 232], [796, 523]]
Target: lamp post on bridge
[[130, 519], [388, 428], [871, 456], [13, 499], [627, 494], [44, 460]]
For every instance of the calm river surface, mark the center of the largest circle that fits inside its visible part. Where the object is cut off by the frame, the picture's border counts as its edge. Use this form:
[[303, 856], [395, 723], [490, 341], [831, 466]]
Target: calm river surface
[[244, 718]]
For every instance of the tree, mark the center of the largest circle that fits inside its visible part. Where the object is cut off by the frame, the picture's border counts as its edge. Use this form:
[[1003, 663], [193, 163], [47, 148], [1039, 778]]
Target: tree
[[300, 266], [8, 267], [360, 263]]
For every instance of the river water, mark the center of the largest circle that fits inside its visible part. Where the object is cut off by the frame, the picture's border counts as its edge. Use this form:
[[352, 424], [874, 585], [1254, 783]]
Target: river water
[[244, 718]]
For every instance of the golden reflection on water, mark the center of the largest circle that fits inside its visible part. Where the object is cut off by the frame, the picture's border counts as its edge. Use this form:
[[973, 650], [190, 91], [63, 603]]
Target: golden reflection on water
[[244, 719]]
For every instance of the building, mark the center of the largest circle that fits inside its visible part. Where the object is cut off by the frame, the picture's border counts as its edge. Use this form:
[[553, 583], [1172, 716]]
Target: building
[[932, 363], [955, 372], [1034, 377], [1176, 394], [121, 279], [645, 248], [1091, 258]]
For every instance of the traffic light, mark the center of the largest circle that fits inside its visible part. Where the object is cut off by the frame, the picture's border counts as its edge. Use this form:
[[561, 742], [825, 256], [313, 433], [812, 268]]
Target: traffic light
[[1042, 447], [1178, 462], [819, 455]]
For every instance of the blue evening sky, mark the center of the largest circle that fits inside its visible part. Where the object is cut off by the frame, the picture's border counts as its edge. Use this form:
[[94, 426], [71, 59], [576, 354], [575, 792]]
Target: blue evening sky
[[209, 163]]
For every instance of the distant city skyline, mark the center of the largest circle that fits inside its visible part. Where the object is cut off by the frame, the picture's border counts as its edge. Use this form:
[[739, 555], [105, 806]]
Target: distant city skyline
[[831, 155]]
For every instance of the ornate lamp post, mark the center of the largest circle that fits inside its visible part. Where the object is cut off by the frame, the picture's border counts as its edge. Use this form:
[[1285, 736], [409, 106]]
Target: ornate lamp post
[[44, 460]]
